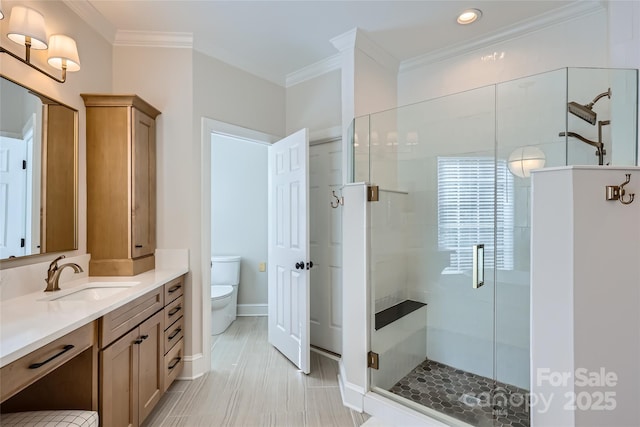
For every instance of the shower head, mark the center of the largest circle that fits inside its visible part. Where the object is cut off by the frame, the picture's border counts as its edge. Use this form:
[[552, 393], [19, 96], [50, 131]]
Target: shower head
[[585, 112]]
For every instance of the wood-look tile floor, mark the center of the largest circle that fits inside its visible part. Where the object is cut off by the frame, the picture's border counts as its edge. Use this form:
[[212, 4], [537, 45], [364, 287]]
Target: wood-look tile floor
[[252, 384]]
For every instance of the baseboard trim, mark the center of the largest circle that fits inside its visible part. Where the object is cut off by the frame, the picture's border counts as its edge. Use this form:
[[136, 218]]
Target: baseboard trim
[[394, 413], [253, 310], [352, 395], [193, 367]]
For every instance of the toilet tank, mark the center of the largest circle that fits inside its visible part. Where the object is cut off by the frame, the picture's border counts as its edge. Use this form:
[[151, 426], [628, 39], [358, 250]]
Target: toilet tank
[[225, 270]]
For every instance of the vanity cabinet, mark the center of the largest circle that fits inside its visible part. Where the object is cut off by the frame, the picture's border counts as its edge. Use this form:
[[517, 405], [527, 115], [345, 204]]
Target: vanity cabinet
[[131, 374], [55, 376], [141, 354], [121, 184], [174, 330]]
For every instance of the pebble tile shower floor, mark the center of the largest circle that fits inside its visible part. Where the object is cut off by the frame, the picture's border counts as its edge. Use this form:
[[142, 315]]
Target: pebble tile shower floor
[[465, 396]]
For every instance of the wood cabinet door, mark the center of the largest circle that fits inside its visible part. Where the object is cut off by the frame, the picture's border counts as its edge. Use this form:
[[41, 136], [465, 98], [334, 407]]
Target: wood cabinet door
[[151, 372], [119, 382], [143, 203]]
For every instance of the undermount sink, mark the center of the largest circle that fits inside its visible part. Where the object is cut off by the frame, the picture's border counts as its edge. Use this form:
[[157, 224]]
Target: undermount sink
[[93, 291]]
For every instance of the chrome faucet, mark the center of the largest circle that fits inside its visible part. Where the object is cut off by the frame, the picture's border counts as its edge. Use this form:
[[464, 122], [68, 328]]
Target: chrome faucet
[[53, 273]]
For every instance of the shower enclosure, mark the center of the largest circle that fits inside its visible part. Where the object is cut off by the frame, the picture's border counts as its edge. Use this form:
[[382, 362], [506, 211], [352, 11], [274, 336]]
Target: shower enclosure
[[450, 233]]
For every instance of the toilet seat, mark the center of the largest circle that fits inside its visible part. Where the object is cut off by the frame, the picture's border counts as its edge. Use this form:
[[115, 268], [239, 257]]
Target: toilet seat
[[220, 292]]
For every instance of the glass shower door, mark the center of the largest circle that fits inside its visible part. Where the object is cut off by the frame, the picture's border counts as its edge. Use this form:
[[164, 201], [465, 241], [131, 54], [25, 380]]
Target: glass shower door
[[432, 254]]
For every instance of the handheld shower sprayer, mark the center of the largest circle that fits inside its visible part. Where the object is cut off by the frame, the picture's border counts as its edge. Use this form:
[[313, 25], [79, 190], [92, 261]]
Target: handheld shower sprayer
[[585, 112]]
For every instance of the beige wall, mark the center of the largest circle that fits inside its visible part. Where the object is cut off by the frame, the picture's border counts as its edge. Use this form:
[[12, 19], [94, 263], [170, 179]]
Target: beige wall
[[228, 94], [315, 104], [94, 76], [185, 86], [164, 78]]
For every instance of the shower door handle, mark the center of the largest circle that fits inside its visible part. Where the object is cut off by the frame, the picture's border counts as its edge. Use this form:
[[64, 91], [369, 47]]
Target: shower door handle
[[478, 266]]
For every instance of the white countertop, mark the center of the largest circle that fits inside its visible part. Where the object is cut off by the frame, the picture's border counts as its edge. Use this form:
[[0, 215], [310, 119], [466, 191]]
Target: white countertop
[[27, 323]]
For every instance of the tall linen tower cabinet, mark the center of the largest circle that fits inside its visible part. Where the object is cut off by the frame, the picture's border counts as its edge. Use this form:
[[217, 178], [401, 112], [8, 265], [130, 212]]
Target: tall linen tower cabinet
[[121, 184]]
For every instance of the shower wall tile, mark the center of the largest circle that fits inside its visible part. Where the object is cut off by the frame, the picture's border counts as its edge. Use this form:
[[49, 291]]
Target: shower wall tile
[[389, 265], [522, 248], [522, 216], [401, 346]]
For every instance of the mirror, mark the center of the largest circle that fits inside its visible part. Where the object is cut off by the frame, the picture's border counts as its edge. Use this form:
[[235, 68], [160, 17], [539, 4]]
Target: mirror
[[38, 173]]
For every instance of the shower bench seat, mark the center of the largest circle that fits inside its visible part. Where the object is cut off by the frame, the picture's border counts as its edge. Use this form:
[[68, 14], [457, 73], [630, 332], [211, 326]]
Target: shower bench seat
[[396, 312]]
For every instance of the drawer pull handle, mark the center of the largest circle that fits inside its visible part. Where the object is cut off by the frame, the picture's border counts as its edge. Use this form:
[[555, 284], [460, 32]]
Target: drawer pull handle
[[174, 363], [64, 350], [142, 338], [175, 310], [174, 333], [174, 288], [138, 246]]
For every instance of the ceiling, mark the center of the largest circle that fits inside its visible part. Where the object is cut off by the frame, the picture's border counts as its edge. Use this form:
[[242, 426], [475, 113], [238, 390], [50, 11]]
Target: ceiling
[[273, 39]]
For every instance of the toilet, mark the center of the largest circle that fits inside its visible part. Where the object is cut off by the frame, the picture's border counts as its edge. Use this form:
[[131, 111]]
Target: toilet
[[225, 277]]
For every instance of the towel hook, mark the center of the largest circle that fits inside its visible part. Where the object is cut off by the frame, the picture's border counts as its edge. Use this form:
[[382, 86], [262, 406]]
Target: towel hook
[[622, 192], [617, 192], [339, 200]]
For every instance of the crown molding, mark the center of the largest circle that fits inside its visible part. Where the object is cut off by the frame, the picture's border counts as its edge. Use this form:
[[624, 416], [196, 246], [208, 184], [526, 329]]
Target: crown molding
[[569, 12], [154, 39], [357, 39], [312, 71], [345, 41], [91, 16]]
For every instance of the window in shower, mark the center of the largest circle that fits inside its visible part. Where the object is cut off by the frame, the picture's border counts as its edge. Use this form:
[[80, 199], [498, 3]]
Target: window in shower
[[466, 197]]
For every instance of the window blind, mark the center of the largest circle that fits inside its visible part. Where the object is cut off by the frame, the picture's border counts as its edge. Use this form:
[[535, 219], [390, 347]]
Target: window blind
[[469, 190]]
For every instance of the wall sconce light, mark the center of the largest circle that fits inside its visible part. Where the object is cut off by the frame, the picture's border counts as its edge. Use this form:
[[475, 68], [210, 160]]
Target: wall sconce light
[[26, 27], [524, 159], [392, 138], [412, 138]]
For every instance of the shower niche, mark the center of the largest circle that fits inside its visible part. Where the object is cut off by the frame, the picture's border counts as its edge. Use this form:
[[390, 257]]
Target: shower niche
[[453, 173]]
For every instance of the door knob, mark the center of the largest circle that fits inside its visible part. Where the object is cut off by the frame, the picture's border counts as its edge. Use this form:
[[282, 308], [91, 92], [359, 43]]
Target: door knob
[[309, 265], [299, 265]]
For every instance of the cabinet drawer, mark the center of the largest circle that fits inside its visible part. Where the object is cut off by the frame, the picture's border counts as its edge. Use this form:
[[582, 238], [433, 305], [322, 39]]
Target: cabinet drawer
[[173, 289], [121, 320], [173, 334], [35, 365], [173, 362], [173, 312]]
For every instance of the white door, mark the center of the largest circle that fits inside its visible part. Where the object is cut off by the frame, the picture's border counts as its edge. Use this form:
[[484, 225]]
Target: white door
[[289, 248], [325, 241], [13, 181]]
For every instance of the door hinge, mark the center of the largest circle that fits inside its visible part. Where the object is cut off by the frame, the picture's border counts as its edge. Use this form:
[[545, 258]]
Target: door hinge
[[372, 193], [372, 360], [24, 164]]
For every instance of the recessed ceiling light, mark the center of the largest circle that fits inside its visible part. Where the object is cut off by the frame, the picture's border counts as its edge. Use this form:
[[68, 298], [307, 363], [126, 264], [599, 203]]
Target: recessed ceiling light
[[468, 16]]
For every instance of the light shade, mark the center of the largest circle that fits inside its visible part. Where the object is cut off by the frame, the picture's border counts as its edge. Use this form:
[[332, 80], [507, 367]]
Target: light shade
[[63, 51], [25, 22], [524, 159]]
